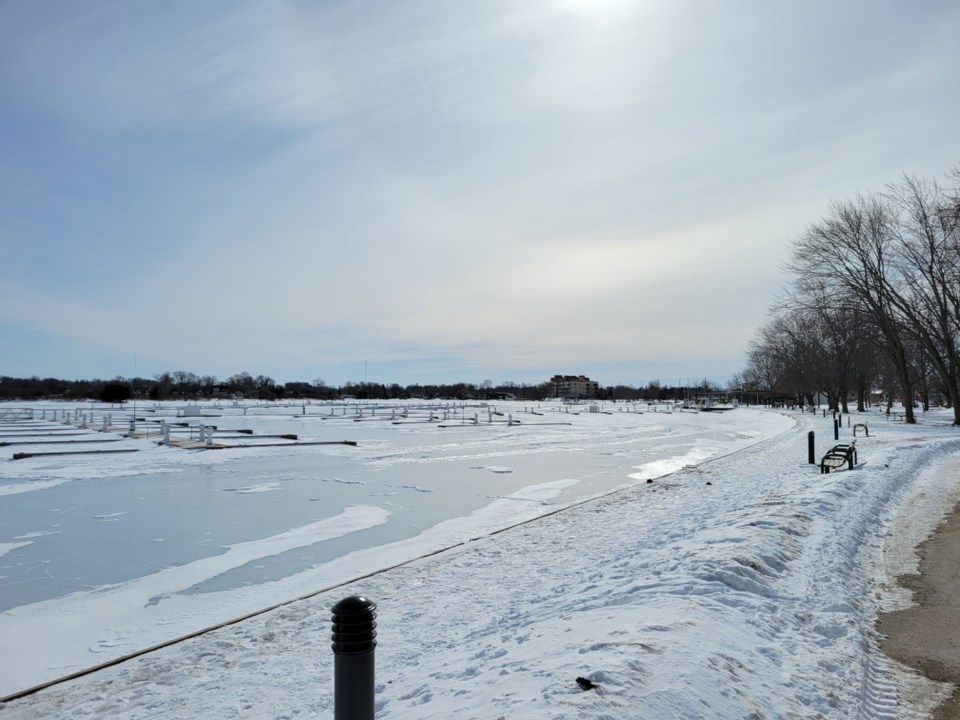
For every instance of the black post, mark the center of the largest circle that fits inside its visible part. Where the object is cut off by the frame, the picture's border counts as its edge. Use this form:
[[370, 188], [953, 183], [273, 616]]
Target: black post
[[810, 457], [354, 640], [836, 429]]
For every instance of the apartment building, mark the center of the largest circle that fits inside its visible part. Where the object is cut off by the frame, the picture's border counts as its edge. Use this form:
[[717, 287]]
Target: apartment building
[[574, 387]]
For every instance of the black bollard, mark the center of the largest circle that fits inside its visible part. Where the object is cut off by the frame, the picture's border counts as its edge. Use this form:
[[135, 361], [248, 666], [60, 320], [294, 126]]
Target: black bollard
[[810, 457], [836, 429], [354, 640]]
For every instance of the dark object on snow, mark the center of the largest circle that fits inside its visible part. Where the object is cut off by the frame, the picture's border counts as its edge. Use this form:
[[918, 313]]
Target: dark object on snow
[[649, 481], [354, 640], [585, 684], [709, 483]]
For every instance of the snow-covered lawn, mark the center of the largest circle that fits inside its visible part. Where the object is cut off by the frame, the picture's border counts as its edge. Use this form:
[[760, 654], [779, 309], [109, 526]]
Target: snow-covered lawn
[[745, 586]]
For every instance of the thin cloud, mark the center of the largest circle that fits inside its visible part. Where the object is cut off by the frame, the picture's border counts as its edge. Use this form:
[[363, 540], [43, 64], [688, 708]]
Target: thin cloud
[[473, 189]]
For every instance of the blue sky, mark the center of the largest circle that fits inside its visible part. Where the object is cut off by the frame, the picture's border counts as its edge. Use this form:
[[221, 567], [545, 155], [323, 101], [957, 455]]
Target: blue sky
[[444, 191]]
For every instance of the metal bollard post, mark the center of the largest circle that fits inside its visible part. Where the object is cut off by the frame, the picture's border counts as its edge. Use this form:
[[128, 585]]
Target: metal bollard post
[[354, 641], [810, 454], [836, 429]]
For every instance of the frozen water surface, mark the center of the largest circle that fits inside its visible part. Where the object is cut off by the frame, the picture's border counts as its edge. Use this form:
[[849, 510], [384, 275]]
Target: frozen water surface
[[187, 537], [96, 531]]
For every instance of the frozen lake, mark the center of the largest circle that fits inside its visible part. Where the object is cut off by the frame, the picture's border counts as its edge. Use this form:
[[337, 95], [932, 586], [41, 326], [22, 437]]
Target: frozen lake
[[141, 547]]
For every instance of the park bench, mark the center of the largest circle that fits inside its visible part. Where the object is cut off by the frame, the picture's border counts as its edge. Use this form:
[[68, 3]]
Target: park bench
[[838, 456], [861, 426]]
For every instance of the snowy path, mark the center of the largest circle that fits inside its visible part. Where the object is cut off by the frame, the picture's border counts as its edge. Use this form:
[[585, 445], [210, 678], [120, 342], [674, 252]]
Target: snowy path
[[751, 596]]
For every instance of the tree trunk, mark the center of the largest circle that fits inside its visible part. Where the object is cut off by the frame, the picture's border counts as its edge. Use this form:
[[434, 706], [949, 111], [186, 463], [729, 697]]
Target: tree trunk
[[844, 400], [902, 367], [953, 395], [907, 386]]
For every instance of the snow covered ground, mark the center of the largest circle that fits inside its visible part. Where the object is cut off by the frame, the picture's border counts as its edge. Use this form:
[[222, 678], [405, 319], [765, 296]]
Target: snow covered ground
[[741, 584]]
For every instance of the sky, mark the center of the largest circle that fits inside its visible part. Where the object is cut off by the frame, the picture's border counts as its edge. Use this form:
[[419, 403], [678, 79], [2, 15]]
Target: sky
[[420, 191]]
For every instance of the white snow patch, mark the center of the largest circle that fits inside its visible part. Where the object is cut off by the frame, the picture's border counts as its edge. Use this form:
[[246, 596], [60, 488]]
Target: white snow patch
[[10, 547], [30, 486], [36, 534], [258, 488]]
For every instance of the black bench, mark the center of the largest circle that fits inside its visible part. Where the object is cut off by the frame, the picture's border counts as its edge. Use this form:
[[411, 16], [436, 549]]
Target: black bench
[[866, 430], [838, 456]]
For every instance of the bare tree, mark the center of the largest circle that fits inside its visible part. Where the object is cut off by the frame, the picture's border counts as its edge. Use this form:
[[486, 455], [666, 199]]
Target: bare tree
[[851, 255], [927, 234]]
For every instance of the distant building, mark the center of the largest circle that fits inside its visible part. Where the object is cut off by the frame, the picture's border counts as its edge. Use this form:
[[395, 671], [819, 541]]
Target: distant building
[[574, 387]]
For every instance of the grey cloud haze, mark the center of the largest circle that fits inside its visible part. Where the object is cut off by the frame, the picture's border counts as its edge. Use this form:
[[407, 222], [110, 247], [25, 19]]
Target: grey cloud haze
[[448, 191]]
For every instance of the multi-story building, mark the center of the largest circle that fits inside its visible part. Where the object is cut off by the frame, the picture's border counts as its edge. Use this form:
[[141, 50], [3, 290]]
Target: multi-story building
[[574, 386]]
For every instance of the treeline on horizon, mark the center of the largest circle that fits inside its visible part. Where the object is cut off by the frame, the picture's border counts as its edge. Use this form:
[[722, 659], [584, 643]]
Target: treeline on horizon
[[184, 385], [873, 303]]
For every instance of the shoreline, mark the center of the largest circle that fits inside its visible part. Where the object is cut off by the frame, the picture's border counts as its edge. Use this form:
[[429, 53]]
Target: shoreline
[[926, 636]]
